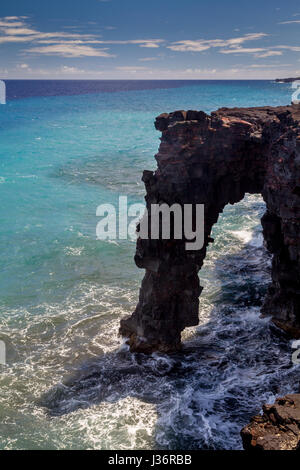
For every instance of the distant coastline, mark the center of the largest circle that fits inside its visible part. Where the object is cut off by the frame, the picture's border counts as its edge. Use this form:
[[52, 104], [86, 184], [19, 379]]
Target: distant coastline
[[286, 80]]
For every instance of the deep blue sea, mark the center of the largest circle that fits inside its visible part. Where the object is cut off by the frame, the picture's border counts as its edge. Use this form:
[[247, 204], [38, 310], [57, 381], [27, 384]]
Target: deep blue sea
[[66, 147]]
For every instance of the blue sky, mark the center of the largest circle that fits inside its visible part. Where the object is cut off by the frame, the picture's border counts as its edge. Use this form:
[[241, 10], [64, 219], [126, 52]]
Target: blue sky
[[182, 39]]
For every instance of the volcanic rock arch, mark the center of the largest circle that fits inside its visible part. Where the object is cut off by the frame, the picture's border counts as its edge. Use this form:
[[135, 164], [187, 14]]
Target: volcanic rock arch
[[214, 160]]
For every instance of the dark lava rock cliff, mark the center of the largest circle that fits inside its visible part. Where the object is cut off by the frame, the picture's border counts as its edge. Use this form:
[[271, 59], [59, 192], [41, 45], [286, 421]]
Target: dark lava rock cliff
[[214, 160]]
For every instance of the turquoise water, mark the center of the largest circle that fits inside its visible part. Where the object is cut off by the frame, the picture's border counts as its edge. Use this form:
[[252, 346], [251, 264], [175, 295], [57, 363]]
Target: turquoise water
[[62, 292]]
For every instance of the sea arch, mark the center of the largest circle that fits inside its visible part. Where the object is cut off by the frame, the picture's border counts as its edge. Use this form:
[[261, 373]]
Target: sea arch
[[215, 160]]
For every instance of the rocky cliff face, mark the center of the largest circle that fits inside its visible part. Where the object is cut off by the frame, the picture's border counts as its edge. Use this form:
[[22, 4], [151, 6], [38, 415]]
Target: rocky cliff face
[[214, 160], [278, 428]]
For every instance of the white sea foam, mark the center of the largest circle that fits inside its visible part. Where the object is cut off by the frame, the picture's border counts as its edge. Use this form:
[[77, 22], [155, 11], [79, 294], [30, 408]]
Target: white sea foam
[[244, 236]]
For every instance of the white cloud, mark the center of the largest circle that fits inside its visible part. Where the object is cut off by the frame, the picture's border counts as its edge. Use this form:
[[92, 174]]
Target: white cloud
[[264, 66], [289, 22], [232, 46], [290, 48], [201, 45], [19, 31], [139, 42], [71, 41], [41, 38], [24, 68], [150, 44], [16, 30], [71, 70], [257, 52], [268, 54], [8, 24], [12, 39], [201, 71], [132, 69], [148, 59], [190, 46], [14, 17], [247, 37], [69, 50], [242, 50], [71, 44]]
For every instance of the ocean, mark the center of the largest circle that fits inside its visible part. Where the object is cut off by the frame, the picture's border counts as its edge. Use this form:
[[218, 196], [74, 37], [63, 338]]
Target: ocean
[[69, 381]]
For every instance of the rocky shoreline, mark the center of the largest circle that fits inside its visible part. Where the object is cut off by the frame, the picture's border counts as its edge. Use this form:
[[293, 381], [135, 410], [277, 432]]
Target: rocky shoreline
[[278, 428], [286, 80]]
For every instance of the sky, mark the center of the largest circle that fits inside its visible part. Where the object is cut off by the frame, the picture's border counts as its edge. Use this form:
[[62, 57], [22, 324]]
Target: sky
[[149, 39]]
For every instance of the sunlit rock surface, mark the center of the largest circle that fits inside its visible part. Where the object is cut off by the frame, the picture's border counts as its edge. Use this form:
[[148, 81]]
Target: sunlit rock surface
[[277, 429]]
